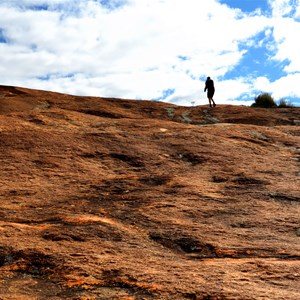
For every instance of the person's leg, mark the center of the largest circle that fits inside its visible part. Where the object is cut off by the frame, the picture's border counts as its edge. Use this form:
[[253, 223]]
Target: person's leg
[[209, 102], [211, 97]]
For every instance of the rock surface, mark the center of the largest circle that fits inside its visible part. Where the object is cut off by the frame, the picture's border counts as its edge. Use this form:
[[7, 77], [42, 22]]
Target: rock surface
[[122, 199]]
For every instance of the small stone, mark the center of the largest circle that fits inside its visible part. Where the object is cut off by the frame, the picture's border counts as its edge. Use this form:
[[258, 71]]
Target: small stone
[[163, 129], [296, 122]]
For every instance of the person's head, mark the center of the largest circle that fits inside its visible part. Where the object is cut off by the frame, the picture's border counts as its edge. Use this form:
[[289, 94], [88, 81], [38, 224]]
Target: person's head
[[208, 78]]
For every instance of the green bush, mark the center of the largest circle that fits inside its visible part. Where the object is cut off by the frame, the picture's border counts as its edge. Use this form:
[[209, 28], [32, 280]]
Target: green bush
[[284, 104], [264, 100]]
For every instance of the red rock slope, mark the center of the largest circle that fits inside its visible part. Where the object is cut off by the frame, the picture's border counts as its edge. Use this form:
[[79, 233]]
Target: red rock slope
[[120, 199]]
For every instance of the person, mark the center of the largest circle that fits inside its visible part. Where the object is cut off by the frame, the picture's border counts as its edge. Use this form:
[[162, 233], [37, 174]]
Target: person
[[209, 86]]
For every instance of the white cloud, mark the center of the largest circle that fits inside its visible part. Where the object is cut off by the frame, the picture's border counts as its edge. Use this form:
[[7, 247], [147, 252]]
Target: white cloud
[[281, 8], [231, 89], [262, 84], [137, 48], [297, 10], [283, 88], [287, 86], [285, 32]]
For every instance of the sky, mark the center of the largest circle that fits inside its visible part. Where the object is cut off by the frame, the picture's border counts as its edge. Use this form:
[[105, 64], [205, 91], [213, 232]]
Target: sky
[[160, 50]]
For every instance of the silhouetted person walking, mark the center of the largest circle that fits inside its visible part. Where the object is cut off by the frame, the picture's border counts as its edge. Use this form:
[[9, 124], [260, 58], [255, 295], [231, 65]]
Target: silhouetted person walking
[[209, 86]]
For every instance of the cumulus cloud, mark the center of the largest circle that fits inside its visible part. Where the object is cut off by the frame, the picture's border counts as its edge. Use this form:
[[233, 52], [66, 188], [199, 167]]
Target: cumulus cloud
[[281, 8], [285, 32], [141, 49], [287, 86]]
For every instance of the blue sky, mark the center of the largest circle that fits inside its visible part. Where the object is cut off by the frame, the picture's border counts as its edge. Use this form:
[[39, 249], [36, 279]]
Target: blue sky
[[248, 6], [159, 50]]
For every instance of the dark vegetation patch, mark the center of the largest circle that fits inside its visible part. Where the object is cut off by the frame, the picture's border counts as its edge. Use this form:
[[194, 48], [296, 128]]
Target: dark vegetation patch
[[118, 186], [109, 234], [188, 245], [130, 160], [60, 236], [264, 100], [126, 105], [12, 90], [243, 184], [244, 180], [100, 113], [174, 189], [21, 192], [128, 188], [36, 120], [30, 262], [155, 180], [284, 197], [121, 195], [219, 178], [197, 249], [192, 158], [116, 278]]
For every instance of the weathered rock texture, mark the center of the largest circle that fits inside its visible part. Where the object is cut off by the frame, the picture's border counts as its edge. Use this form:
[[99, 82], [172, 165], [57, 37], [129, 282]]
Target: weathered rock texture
[[121, 199]]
